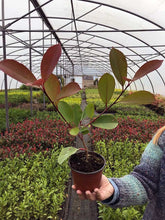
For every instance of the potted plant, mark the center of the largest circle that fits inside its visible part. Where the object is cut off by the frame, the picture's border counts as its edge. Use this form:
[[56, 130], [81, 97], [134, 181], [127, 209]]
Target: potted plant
[[83, 162]]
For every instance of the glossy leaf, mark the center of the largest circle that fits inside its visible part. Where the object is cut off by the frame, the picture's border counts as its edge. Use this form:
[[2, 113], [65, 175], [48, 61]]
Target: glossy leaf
[[147, 68], [50, 60], [140, 97], [52, 87], [88, 111], [106, 121], [119, 65], [74, 131], [66, 110], [77, 112], [17, 71], [68, 90], [106, 86], [66, 153]]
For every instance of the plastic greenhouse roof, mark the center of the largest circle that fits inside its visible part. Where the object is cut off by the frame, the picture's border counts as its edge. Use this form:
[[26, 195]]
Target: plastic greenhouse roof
[[87, 30]]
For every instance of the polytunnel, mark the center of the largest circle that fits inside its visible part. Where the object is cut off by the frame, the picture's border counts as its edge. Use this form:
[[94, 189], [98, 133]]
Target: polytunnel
[[87, 30]]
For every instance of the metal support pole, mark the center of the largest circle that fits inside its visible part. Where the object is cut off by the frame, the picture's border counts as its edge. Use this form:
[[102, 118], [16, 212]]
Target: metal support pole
[[43, 51], [30, 61], [4, 57], [57, 70], [72, 72]]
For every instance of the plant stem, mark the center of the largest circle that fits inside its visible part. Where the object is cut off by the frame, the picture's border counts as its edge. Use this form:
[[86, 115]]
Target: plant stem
[[56, 108], [108, 107], [79, 135], [84, 144]]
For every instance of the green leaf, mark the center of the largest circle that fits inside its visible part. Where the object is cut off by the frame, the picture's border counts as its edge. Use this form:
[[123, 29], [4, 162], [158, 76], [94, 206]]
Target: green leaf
[[90, 110], [147, 68], [140, 97], [52, 87], [74, 131], [17, 71], [119, 65], [106, 86], [66, 153], [106, 121], [66, 110], [77, 112]]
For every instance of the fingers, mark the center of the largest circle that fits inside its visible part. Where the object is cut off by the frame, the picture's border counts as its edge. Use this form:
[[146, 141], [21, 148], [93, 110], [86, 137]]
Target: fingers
[[80, 194], [74, 187], [91, 195], [85, 195], [103, 192]]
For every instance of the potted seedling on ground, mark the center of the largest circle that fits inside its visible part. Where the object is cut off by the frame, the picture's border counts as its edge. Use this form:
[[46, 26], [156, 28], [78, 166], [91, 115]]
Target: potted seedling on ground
[[83, 162]]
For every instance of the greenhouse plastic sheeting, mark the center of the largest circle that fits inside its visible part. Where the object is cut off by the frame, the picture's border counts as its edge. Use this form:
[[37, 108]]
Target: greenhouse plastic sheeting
[[87, 30]]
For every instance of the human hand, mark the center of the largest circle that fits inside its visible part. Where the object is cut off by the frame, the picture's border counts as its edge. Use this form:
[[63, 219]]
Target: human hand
[[104, 192]]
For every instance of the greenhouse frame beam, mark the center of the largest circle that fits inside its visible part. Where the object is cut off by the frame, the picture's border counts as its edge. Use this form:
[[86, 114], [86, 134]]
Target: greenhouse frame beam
[[4, 57], [46, 21], [87, 37], [124, 10], [116, 30], [17, 19], [74, 21]]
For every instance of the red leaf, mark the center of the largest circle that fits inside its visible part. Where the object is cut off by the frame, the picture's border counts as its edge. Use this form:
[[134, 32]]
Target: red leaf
[[17, 71], [50, 60], [68, 90], [147, 68], [38, 83], [127, 79]]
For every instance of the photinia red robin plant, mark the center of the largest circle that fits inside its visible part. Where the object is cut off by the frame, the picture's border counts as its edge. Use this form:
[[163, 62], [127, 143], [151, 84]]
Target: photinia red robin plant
[[73, 115]]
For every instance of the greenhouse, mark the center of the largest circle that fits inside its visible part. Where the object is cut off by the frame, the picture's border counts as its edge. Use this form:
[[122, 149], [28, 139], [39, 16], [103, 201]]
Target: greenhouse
[[78, 77]]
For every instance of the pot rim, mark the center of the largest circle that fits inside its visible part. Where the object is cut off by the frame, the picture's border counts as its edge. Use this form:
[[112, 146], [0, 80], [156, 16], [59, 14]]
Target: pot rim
[[93, 172]]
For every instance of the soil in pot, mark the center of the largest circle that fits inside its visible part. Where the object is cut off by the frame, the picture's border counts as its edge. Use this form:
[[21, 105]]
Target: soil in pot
[[80, 162]]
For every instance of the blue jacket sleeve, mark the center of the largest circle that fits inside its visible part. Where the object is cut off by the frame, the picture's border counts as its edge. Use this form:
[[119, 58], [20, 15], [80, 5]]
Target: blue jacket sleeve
[[140, 185]]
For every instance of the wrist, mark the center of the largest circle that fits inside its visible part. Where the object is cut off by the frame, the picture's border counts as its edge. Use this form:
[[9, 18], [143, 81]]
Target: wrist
[[114, 197]]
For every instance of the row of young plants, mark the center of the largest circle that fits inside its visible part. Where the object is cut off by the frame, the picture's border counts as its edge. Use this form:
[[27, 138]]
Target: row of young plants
[[19, 115], [20, 96], [129, 128], [17, 97], [121, 158], [133, 111], [15, 115], [25, 135], [32, 187], [32, 136], [35, 136]]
